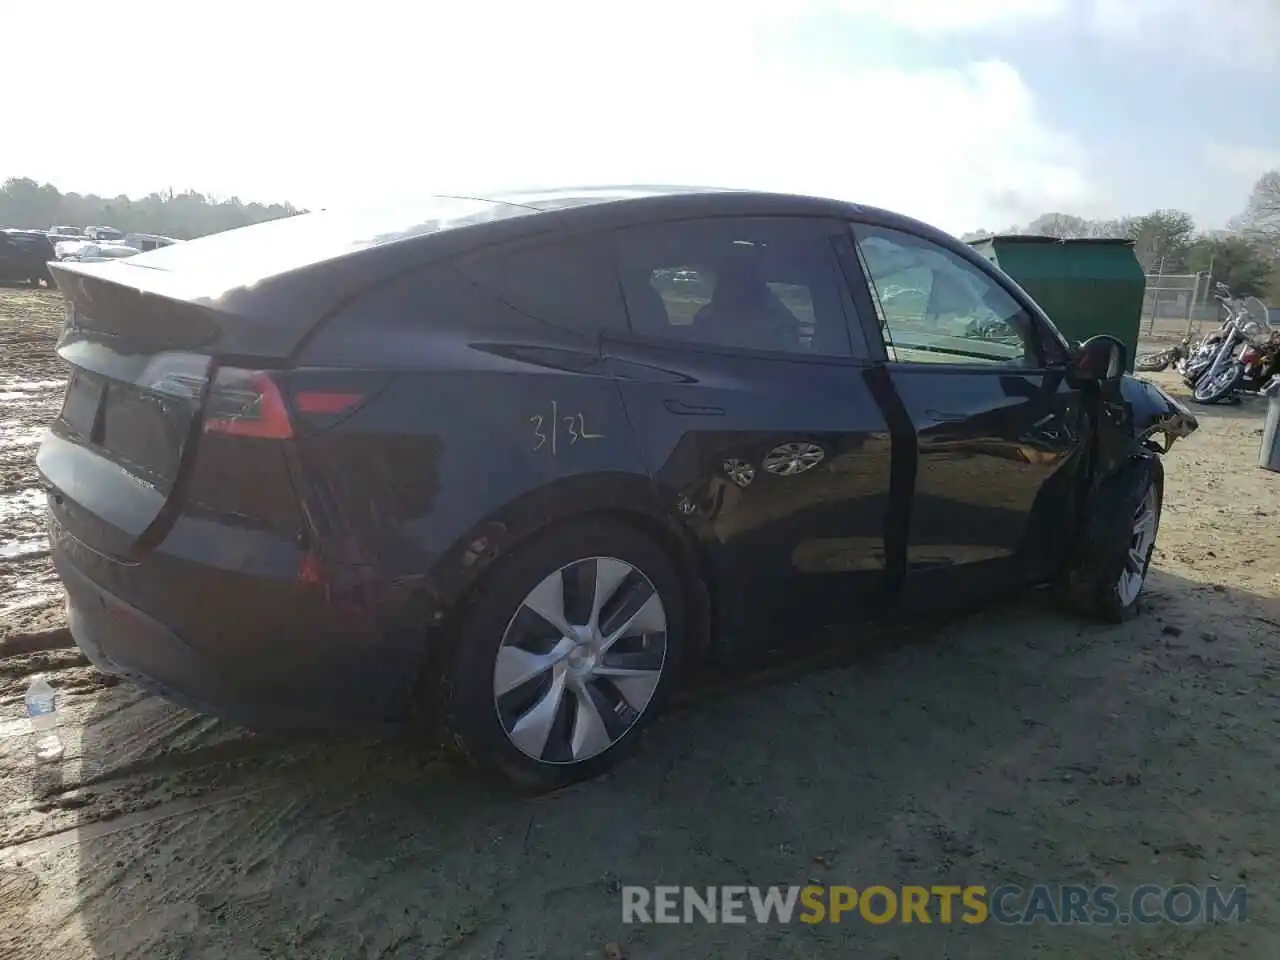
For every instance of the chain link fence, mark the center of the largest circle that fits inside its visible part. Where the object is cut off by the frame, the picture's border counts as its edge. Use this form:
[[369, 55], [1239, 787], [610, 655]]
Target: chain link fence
[[1177, 305]]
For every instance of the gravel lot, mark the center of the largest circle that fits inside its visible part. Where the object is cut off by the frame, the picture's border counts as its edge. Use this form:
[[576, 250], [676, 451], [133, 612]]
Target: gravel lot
[[1016, 746]]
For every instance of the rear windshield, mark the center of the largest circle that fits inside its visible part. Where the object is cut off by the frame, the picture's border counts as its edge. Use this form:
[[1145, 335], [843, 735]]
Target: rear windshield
[[247, 254]]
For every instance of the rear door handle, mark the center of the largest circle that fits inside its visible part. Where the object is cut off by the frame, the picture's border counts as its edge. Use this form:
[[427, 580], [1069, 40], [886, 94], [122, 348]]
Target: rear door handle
[[682, 409]]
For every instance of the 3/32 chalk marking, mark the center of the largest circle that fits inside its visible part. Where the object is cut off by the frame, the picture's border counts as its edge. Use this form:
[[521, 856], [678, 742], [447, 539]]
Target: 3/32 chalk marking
[[575, 425]]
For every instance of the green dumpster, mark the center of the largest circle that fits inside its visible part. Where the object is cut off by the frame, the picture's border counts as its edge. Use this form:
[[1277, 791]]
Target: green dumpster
[[1087, 287]]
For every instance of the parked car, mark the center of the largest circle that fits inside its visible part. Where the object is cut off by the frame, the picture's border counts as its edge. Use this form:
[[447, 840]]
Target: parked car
[[65, 233], [62, 249], [90, 251], [109, 234], [456, 464], [147, 241], [24, 256]]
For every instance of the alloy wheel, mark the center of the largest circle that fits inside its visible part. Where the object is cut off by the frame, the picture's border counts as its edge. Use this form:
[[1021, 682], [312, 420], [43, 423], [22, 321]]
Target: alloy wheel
[[580, 660], [1141, 544], [788, 459]]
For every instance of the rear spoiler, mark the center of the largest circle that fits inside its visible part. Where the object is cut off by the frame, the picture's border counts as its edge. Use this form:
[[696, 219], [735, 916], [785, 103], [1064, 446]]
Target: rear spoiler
[[155, 309]]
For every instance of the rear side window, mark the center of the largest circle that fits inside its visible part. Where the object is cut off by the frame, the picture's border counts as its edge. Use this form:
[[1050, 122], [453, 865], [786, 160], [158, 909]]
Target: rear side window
[[751, 283], [568, 283]]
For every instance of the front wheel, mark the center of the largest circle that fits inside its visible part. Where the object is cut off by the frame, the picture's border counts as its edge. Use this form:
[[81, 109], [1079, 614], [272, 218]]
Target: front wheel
[[1213, 386], [565, 654], [1112, 558]]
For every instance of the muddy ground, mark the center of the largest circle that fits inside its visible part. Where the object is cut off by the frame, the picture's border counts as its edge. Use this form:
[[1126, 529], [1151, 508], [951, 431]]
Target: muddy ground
[[31, 382], [1017, 746]]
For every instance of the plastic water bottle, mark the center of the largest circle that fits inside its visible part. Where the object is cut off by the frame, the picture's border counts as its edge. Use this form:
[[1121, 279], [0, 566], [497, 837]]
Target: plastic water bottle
[[42, 710]]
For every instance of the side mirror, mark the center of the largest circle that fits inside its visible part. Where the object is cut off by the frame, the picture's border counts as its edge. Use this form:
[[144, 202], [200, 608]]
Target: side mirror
[[1099, 358]]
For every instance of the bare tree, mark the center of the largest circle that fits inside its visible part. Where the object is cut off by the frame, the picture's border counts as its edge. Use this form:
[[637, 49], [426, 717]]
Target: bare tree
[[1261, 218]]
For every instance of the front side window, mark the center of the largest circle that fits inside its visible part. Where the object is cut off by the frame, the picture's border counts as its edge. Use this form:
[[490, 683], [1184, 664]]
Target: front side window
[[936, 307], [750, 283]]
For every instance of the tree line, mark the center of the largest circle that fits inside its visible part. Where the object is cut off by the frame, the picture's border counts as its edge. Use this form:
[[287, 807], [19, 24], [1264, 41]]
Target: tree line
[[28, 204], [1245, 256]]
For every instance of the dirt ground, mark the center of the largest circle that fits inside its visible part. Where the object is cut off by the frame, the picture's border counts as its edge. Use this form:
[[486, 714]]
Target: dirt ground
[[1016, 746]]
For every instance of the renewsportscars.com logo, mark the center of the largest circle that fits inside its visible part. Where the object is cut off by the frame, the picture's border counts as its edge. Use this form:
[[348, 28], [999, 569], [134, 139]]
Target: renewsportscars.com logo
[[1006, 904]]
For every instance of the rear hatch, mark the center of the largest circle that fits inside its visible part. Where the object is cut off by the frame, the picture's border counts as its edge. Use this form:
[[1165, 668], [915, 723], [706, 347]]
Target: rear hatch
[[181, 356]]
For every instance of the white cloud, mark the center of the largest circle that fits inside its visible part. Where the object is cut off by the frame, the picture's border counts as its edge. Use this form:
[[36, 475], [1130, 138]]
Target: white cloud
[[1242, 33], [1237, 168], [286, 101], [957, 16], [1244, 162]]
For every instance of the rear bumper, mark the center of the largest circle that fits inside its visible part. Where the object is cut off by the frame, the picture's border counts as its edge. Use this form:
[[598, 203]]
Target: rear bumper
[[123, 641], [326, 673]]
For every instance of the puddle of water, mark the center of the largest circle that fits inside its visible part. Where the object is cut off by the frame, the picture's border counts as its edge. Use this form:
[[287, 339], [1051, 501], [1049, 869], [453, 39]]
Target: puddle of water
[[23, 549], [22, 389], [14, 434], [28, 584], [24, 503]]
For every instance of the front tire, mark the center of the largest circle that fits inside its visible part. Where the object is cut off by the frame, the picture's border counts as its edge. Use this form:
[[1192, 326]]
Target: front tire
[[565, 654], [1212, 388], [1109, 567]]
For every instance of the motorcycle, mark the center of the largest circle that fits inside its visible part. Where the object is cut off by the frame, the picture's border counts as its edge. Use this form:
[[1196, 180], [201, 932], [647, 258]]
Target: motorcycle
[[1156, 362], [1261, 359], [1215, 367]]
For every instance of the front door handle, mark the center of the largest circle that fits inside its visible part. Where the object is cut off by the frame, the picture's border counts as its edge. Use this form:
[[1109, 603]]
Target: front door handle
[[682, 409]]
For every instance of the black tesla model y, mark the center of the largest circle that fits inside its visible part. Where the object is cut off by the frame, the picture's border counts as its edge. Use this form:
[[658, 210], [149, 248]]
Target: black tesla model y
[[511, 464]]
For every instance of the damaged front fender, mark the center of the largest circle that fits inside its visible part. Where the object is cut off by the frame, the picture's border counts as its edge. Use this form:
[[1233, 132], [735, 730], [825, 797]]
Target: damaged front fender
[[1152, 413]]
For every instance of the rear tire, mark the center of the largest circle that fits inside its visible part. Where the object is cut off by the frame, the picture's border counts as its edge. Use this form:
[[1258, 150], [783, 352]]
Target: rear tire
[[1154, 363], [1109, 566], [546, 686]]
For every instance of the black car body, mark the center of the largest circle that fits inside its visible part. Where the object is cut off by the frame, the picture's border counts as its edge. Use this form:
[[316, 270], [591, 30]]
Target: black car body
[[298, 464], [24, 256]]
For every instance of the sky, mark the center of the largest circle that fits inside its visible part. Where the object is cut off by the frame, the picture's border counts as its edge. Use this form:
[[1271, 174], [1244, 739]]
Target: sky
[[966, 113]]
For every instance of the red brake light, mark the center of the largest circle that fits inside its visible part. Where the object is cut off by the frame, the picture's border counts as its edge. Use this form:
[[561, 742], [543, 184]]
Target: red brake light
[[325, 403], [247, 403]]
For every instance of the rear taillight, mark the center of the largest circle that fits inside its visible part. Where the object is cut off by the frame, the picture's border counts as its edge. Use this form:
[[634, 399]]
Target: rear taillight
[[246, 403], [250, 403], [322, 403]]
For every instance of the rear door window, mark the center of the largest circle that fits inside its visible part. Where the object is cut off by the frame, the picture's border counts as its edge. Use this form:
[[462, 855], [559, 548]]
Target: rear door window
[[567, 282], [765, 284]]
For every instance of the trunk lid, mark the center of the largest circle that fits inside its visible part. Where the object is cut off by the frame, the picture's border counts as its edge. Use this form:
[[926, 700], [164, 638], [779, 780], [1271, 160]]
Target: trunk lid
[[143, 347], [113, 457]]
